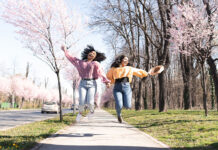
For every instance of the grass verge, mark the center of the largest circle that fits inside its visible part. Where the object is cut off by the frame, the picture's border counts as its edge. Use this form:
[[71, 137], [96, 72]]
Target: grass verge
[[26, 136], [181, 130]]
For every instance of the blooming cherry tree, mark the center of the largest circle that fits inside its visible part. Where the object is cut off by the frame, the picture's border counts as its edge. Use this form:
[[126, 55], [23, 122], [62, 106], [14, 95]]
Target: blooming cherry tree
[[5, 85], [194, 33], [43, 26]]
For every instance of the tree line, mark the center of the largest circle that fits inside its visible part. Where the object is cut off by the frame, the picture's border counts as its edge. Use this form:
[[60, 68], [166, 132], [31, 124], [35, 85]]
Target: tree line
[[143, 29]]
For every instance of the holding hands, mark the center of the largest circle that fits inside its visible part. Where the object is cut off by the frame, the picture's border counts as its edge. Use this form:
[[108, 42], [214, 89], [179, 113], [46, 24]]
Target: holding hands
[[108, 85]]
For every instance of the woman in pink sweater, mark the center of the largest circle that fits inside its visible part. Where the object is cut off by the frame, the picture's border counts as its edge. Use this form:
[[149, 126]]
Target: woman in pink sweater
[[89, 69]]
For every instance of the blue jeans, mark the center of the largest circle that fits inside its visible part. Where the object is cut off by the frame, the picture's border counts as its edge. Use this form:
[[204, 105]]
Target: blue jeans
[[122, 95], [87, 90]]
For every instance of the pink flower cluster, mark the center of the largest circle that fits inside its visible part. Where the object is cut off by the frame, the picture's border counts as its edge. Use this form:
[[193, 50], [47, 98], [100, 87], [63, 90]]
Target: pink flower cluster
[[191, 30]]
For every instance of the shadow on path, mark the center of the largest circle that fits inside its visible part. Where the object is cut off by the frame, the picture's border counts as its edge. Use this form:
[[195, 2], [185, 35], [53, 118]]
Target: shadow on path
[[93, 147]]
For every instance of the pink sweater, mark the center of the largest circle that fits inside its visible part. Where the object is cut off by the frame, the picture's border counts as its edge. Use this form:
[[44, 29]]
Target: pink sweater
[[88, 70]]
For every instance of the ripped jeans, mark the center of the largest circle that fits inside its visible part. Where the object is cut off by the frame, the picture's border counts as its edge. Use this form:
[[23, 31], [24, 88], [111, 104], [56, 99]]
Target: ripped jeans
[[87, 90]]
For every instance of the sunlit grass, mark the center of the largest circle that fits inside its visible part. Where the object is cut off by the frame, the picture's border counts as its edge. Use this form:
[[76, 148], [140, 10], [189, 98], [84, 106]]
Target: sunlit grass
[[26, 136], [179, 129]]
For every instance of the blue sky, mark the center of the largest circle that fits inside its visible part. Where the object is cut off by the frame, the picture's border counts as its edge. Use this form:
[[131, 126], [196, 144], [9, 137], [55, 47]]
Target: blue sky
[[14, 55]]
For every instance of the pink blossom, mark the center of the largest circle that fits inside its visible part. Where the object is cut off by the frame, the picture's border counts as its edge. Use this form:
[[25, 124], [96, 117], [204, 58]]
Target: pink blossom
[[191, 31]]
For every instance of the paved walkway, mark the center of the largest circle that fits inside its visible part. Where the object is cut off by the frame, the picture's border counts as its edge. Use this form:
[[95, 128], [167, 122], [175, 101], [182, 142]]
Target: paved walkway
[[101, 132]]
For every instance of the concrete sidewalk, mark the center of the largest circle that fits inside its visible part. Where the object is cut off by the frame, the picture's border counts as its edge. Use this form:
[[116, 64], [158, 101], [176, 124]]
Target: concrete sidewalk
[[101, 132]]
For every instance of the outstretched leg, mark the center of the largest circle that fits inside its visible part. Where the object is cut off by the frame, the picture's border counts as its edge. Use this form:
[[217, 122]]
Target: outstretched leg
[[90, 97], [82, 99], [118, 96]]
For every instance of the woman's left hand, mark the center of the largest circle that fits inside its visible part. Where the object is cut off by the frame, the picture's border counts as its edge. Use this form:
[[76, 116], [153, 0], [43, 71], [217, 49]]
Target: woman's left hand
[[108, 85]]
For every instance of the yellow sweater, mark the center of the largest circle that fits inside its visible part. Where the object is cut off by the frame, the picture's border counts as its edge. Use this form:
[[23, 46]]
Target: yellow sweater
[[127, 71]]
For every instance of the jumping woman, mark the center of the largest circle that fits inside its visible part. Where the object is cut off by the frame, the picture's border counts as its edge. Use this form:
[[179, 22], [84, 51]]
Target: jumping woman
[[90, 70], [121, 74]]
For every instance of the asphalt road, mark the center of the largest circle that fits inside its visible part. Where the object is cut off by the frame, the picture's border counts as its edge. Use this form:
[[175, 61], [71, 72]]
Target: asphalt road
[[10, 119]]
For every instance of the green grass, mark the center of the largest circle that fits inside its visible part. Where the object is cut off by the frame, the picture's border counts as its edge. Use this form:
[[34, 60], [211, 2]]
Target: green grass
[[26, 136], [181, 130]]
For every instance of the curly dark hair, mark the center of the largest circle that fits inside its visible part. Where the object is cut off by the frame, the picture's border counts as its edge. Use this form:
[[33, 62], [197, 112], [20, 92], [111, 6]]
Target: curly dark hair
[[118, 61], [99, 56]]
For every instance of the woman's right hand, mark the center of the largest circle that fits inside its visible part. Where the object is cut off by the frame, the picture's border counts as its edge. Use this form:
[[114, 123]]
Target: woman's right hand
[[63, 48]]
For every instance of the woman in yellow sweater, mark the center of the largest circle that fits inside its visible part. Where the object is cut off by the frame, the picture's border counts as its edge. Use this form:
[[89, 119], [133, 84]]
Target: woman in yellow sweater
[[121, 74]]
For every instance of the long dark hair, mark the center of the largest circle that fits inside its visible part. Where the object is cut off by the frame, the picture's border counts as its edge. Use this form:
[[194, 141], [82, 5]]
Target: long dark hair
[[99, 56], [118, 61]]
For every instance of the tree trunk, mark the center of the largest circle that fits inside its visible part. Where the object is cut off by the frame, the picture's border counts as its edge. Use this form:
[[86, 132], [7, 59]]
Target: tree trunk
[[27, 69], [214, 75], [60, 95], [179, 98], [186, 63], [210, 60], [145, 98], [163, 51], [193, 92], [212, 92], [204, 90], [12, 100], [74, 97], [153, 94], [162, 92], [136, 95], [140, 97], [21, 103], [186, 96]]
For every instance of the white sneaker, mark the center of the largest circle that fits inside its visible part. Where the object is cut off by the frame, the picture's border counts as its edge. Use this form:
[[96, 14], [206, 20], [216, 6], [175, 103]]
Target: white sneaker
[[78, 117]]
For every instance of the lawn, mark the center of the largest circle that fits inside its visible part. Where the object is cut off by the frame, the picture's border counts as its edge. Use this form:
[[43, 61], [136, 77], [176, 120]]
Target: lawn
[[181, 130], [26, 136]]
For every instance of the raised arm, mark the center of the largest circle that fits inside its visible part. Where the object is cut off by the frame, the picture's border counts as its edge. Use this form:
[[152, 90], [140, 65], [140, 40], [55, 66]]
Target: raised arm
[[139, 72], [73, 60]]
